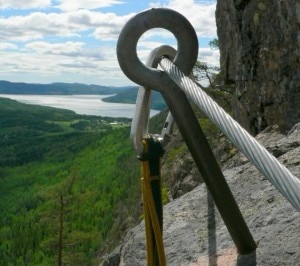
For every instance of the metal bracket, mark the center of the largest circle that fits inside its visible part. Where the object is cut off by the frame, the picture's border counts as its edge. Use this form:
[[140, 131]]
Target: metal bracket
[[181, 109]]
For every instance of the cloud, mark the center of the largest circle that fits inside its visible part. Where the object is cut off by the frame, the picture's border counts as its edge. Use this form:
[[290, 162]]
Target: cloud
[[24, 4], [34, 26], [110, 26], [37, 25], [201, 14], [78, 43], [67, 48], [209, 56], [71, 57], [72, 5], [104, 26], [70, 49], [6, 45]]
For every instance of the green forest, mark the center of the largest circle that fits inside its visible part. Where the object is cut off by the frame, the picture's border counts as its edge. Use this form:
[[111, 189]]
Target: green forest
[[68, 183]]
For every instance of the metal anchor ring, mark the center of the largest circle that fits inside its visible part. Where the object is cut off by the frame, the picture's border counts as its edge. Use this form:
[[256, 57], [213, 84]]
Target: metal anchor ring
[[187, 44]]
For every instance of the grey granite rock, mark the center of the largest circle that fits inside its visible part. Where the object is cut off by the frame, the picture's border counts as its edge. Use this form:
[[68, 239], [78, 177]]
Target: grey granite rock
[[194, 233], [259, 57]]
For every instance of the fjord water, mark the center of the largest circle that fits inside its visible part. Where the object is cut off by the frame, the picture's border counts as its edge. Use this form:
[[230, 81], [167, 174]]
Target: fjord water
[[81, 104]]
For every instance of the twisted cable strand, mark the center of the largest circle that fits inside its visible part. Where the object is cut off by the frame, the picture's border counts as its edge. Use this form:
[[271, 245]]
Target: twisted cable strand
[[284, 181]]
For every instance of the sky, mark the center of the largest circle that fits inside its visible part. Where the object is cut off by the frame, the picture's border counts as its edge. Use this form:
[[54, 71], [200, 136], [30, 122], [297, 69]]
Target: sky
[[46, 41]]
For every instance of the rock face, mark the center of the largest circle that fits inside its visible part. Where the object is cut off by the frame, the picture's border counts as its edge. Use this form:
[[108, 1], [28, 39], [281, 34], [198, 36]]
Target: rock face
[[179, 167], [194, 233], [260, 55]]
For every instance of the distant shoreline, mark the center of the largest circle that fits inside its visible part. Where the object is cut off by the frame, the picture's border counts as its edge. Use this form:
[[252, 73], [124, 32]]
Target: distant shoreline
[[124, 95], [84, 104]]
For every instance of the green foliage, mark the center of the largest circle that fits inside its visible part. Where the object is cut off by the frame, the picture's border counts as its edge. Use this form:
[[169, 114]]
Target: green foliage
[[56, 170], [28, 131], [174, 153], [165, 195], [214, 44], [209, 129]]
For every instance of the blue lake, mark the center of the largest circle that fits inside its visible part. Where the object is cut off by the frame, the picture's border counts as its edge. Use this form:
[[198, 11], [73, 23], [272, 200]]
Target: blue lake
[[81, 104]]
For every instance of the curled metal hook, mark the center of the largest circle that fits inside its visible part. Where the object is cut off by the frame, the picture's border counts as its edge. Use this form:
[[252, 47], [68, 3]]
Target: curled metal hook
[[187, 45], [179, 105]]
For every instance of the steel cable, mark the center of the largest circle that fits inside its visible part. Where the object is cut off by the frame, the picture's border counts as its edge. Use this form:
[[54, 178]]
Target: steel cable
[[284, 181]]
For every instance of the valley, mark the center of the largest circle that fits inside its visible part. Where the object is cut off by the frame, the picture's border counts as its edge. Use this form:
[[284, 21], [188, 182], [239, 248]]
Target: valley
[[65, 181]]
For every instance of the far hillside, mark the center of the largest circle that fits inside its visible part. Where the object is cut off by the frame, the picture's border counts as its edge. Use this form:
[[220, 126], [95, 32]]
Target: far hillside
[[129, 96], [7, 87], [27, 131], [126, 94]]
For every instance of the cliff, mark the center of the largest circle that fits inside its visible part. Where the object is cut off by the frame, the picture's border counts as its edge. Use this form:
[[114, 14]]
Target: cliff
[[260, 56], [259, 48], [194, 233]]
